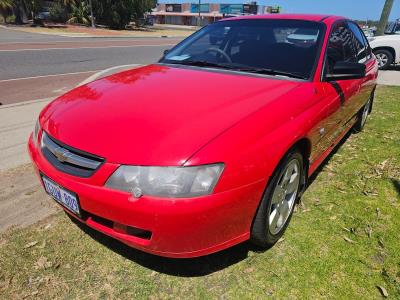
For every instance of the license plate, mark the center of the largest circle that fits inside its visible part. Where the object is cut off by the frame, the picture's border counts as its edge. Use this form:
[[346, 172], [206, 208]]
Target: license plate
[[65, 198]]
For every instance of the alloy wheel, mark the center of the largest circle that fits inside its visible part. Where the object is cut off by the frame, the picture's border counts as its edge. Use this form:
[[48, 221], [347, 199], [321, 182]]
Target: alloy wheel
[[284, 196], [382, 59]]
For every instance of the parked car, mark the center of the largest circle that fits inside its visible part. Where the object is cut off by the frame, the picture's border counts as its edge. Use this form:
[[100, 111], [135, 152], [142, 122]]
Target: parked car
[[43, 15], [368, 32], [393, 27], [386, 49], [214, 144]]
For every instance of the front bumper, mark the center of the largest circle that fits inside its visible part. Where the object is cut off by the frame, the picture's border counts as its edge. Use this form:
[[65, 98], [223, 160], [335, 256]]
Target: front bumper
[[179, 228]]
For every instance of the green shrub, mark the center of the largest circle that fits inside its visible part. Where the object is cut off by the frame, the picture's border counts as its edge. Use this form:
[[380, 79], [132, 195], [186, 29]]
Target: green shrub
[[58, 12], [117, 14], [80, 14]]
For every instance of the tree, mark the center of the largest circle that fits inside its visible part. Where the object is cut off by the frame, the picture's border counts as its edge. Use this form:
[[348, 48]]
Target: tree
[[58, 12], [387, 8], [91, 14], [34, 6], [140, 7], [117, 14], [23, 8], [19, 10], [5, 7], [68, 3], [80, 13]]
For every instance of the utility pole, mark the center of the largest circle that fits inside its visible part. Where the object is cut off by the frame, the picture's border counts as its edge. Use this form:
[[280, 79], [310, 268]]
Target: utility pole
[[91, 14], [384, 17], [199, 23]]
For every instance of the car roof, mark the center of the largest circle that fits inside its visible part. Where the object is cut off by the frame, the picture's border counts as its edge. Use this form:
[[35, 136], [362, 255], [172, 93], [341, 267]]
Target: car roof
[[305, 17]]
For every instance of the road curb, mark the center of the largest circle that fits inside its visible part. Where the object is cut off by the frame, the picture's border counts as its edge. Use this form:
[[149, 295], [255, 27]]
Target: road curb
[[25, 103], [84, 35]]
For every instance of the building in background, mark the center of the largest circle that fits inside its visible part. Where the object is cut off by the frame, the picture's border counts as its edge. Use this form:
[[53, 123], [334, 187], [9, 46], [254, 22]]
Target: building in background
[[188, 13]]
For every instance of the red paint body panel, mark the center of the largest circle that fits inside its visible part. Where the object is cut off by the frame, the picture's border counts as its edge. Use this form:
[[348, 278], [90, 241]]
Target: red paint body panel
[[169, 116], [180, 227], [141, 109]]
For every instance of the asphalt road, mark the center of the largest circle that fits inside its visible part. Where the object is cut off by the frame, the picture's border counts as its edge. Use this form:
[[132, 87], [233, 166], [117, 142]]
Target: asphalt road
[[37, 66], [12, 36]]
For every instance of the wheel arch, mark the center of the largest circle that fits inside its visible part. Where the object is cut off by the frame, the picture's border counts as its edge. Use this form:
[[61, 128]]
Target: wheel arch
[[304, 146], [372, 98], [388, 48]]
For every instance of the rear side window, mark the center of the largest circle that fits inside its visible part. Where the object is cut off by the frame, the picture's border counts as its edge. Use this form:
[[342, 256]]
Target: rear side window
[[360, 45], [346, 44], [341, 46], [368, 47]]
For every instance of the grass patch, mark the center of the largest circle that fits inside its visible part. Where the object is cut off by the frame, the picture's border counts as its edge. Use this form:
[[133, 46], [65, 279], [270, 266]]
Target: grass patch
[[343, 241]]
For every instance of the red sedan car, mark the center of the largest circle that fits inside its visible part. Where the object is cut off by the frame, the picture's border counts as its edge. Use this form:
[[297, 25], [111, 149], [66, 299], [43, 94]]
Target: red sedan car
[[212, 145]]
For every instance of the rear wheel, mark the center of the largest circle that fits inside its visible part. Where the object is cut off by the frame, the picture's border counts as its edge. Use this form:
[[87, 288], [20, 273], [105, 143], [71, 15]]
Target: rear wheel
[[384, 57], [277, 205], [363, 115]]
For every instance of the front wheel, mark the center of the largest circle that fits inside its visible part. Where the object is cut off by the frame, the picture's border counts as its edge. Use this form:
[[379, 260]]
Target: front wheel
[[277, 205], [385, 58]]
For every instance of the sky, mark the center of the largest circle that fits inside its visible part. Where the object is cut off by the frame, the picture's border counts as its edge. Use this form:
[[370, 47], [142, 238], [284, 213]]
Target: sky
[[354, 9]]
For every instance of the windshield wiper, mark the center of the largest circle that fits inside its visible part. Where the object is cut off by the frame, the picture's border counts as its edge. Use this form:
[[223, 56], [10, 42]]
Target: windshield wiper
[[271, 72], [202, 63], [238, 67]]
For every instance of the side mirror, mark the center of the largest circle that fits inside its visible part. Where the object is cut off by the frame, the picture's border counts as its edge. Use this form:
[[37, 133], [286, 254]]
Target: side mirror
[[346, 70], [166, 51]]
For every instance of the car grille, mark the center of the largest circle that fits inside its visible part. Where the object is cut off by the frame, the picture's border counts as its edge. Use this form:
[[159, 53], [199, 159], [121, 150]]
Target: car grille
[[69, 160]]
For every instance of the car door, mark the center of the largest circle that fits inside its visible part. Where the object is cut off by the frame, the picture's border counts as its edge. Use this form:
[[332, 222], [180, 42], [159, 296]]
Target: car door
[[343, 94], [364, 56]]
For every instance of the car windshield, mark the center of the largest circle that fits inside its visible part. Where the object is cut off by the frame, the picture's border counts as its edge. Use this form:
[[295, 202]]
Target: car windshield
[[273, 47], [390, 27]]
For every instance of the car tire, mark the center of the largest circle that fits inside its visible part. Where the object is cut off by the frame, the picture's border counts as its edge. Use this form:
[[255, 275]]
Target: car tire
[[279, 199], [385, 58], [363, 114]]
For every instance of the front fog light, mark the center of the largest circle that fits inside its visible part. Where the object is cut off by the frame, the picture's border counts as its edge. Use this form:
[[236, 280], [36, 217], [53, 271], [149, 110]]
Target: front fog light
[[171, 182]]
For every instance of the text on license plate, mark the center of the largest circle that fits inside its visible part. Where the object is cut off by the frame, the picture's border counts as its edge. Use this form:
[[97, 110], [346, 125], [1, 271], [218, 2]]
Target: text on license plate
[[62, 196]]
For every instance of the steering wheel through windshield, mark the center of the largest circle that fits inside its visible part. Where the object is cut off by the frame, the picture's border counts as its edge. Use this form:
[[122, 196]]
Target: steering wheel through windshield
[[220, 51]]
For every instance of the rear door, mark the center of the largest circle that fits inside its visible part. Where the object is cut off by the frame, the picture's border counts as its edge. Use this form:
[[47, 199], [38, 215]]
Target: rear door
[[344, 93], [363, 55]]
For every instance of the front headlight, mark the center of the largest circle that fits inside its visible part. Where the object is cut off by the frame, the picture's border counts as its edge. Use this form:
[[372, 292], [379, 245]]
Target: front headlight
[[179, 182]]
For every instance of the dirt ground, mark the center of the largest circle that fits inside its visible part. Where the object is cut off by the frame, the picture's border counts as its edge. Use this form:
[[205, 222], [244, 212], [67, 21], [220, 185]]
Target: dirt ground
[[22, 198]]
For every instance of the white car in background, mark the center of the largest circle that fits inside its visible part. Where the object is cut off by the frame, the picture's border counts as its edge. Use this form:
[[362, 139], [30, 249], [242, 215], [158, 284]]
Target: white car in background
[[386, 49]]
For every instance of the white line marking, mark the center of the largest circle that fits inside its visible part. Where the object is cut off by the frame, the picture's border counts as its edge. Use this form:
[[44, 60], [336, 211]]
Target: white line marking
[[51, 75], [70, 48]]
